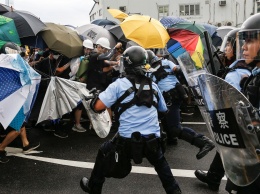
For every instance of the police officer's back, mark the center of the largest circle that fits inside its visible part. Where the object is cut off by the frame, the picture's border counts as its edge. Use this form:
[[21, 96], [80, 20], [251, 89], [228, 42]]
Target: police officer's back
[[137, 101]]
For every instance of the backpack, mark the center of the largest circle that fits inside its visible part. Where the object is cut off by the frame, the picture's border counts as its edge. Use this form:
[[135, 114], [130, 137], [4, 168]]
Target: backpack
[[82, 71]]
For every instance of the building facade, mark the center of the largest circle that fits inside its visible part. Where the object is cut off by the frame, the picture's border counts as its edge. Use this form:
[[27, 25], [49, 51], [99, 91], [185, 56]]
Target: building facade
[[216, 12]]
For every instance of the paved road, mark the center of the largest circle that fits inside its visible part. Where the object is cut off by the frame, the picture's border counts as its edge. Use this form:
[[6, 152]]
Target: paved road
[[61, 163]]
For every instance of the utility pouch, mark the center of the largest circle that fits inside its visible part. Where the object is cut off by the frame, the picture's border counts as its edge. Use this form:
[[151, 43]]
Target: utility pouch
[[152, 144], [137, 147], [160, 73]]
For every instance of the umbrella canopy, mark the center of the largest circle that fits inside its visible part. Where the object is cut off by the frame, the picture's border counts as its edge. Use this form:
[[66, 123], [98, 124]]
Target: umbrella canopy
[[18, 83], [63, 95], [210, 28], [197, 28], [131, 43], [94, 32], [168, 21], [62, 39], [116, 13], [118, 33], [223, 30], [103, 22], [8, 32], [26, 23], [4, 8], [186, 41], [145, 31]]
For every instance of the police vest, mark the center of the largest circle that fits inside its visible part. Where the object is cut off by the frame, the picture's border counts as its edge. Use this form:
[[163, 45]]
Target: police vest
[[143, 95], [252, 90]]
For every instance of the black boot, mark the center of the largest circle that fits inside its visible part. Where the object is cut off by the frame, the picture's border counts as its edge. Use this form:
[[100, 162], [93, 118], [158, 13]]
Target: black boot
[[202, 142], [90, 188], [212, 179], [84, 184], [205, 144]]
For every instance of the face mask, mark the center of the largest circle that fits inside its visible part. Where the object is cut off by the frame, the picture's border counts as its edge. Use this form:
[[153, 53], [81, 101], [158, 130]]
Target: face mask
[[56, 56]]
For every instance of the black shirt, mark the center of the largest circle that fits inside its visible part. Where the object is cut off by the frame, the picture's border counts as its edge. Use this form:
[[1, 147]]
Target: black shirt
[[96, 78]]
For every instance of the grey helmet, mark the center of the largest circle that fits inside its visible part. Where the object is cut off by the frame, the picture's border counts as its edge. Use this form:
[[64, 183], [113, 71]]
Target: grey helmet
[[249, 33]]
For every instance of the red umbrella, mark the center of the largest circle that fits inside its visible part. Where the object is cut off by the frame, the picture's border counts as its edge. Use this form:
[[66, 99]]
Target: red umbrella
[[186, 41]]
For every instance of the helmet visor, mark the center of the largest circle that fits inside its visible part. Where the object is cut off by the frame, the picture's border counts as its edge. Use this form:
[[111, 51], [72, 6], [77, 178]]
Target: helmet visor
[[228, 45], [248, 45]]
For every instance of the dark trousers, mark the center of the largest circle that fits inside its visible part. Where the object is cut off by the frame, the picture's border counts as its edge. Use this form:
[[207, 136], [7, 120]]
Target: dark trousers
[[172, 124], [157, 159], [216, 166]]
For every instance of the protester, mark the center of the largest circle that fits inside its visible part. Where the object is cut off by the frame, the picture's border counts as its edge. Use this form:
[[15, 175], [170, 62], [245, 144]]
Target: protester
[[96, 74], [47, 68], [81, 76], [9, 136], [139, 131]]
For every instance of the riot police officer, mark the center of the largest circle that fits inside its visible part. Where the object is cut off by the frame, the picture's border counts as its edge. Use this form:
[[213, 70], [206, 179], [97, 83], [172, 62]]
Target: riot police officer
[[249, 51], [248, 54], [137, 101], [174, 94], [228, 52]]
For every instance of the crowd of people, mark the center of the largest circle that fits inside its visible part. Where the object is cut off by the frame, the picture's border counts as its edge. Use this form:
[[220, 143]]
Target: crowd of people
[[139, 97]]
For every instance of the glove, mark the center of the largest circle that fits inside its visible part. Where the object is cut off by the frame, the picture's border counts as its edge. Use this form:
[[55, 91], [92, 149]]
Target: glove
[[95, 98]]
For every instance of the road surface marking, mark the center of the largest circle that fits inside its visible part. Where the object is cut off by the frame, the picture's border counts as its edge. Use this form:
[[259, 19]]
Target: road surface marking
[[135, 169]]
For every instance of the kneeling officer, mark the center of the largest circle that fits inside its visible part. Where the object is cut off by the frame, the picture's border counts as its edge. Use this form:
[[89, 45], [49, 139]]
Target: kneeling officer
[[137, 101]]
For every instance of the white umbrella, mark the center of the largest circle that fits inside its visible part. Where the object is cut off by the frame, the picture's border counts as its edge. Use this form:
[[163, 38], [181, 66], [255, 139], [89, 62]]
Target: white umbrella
[[93, 32], [223, 30], [63, 95]]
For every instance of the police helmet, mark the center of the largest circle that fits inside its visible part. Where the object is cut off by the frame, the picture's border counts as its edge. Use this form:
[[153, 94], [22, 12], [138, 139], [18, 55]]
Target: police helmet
[[248, 47], [153, 60], [229, 41], [135, 58], [151, 55]]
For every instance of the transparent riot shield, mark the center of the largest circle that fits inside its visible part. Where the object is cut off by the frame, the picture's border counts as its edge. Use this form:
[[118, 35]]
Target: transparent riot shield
[[233, 122], [192, 65]]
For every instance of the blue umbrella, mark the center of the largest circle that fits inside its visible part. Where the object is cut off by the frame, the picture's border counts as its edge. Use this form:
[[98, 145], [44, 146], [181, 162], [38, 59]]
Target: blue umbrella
[[168, 21], [210, 28], [18, 89], [103, 22]]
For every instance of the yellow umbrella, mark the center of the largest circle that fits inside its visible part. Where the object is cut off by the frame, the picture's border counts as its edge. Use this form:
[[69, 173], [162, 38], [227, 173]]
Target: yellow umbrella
[[116, 13], [145, 31]]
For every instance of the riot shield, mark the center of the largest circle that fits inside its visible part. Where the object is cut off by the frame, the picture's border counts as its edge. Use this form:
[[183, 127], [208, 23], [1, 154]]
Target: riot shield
[[233, 122], [192, 65]]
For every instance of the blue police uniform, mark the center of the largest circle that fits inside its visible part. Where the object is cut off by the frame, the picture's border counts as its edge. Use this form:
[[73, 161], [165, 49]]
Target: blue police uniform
[[135, 118], [170, 81], [173, 119], [234, 77]]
